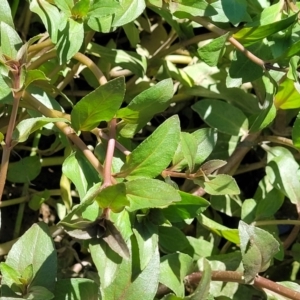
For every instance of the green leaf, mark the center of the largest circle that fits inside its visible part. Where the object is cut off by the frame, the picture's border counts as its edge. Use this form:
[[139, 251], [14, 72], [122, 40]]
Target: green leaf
[[39, 293], [125, 287], [79, 170], [49, 14], [99, 105], [69, 39], [189, 149], [102, 24], [129, 11], [82, 288], [229, 205], [155, 153], [296, 132], [287, 96], [148, 103], [106, 261], [80, 9], [281, 170], [30, 125], [150, 193], [28, 251], [258, 248], [171, 239], [189, 207], [132, 34], [222, 184], [236, 11], [10, 278], [146, 234], [173, 268], [10, 41], [101, 8], [16, 173], [124, 59], [223, 116], [33, 75], [187, 8], [113, 197], [5, 13], [223, 231], [249, 35], [202, 290], [212, 52]]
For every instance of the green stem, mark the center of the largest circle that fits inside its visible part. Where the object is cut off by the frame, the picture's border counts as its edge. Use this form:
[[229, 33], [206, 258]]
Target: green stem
[[276, 222]]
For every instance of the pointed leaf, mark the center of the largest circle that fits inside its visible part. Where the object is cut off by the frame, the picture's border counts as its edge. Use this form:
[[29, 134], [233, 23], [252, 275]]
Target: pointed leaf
[[189, 149], [150, 193], [155, 153], [148, 103], [223, 116], [5, 13], [212, 52], [99, 105]]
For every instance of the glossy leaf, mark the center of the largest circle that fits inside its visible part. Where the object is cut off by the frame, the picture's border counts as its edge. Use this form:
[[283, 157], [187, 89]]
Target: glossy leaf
[[150, 193], [258, 248], [148, 103], [174, 280], [99, 105], [218, 114], [212, 52], [113, 197], [28, 251], [31, 164], [250, 35], [155, 153], [81, 288], [287, 96]]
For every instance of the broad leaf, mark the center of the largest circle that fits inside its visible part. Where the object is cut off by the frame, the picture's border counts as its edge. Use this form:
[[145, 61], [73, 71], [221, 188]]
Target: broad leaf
[[150, 193], [287, 96], [5, 13], [218, 114], [236, 11], [99, 105], [155, 153], [258, 248]]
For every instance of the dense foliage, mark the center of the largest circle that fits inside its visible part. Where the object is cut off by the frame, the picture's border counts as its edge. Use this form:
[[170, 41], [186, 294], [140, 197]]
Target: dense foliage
[[150, 149]]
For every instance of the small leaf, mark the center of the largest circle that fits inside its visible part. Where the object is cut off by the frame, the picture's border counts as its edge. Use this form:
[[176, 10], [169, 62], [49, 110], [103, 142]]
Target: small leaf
[[189, 149], [80, 9], [287, 96], [222, 184], [223, 116], [258, 248], [31, 164], [212, 165], [33, 75], [99, 105], [113, 197], [296, 132], [115, 240], [183, 265], [150, 193], [212, 52], [155, 153]]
